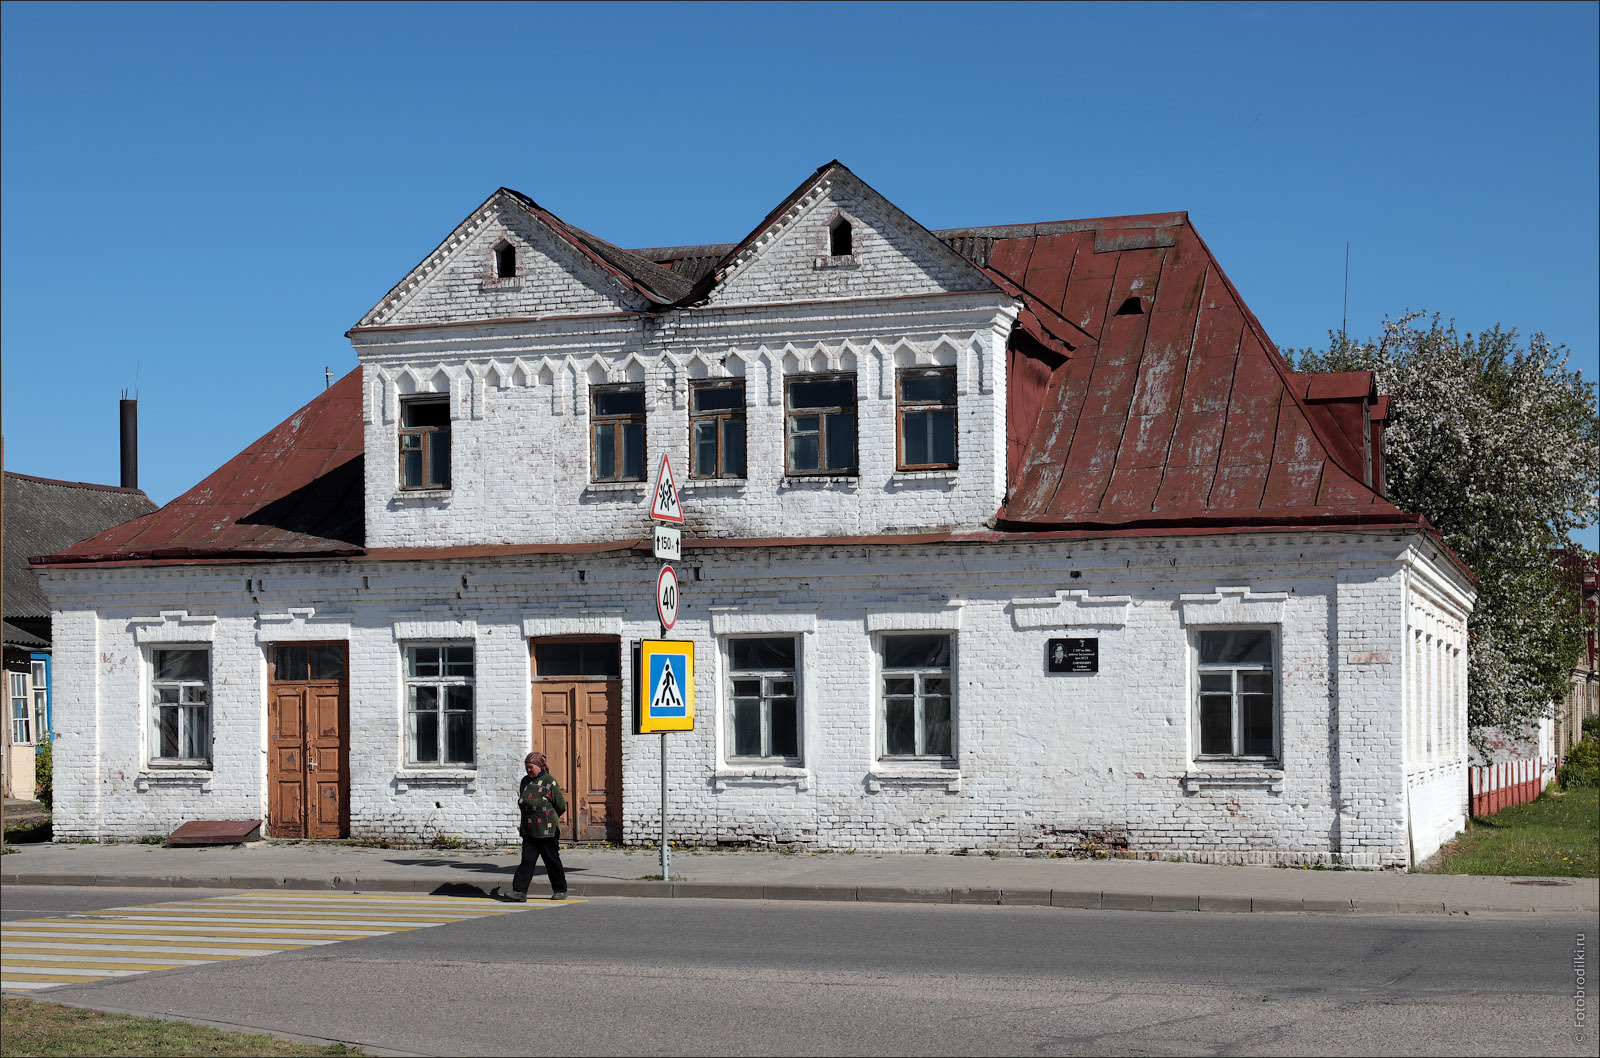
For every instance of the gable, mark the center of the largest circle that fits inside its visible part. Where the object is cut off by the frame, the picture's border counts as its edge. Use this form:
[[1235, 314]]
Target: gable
[[555, 274], [789, 259]]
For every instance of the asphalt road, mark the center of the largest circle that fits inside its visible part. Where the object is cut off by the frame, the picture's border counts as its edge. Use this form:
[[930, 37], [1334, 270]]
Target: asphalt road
[[744, 977]]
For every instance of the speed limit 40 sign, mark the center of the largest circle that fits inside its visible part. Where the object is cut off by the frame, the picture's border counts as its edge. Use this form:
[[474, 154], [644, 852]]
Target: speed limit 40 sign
[[667, 596]]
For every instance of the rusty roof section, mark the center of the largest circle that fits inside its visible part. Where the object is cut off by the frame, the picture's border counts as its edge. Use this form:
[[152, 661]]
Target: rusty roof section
[[295, 493], [1183, 413]]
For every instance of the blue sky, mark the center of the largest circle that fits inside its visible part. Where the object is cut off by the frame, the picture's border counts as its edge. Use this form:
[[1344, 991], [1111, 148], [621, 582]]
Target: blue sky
[[199, 200]]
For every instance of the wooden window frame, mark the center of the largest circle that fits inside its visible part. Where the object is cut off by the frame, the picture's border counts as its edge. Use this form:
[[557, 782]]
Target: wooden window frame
[[188, 709], [613, 424], [768, 693], [790, 414], [919, 674], [902, 406], [722, 418], [1234, 669], [427, 438], [440, 682]]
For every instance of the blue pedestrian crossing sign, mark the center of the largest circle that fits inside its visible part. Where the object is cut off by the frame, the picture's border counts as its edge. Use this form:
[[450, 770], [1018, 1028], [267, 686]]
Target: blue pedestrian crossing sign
[[666, 685]]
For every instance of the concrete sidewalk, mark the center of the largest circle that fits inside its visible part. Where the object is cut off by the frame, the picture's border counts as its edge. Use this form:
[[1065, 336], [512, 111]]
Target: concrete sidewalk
[[604, 871]]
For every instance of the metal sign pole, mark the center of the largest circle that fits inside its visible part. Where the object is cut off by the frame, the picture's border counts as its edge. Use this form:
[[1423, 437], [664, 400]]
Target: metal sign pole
[[666, 853]]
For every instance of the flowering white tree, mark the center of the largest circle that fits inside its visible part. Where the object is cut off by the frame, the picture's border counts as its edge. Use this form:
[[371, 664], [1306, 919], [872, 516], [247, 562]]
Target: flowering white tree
[[1498, 444]]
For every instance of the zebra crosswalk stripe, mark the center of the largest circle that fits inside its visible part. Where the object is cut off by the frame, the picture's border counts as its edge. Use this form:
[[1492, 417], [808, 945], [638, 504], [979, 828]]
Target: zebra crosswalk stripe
[[77, 948]]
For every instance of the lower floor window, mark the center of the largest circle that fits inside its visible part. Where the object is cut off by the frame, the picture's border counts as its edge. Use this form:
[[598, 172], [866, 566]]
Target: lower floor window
[[918, 717], [764, 719], [180, 704], [21, 708], [1236, 708], [439, 704]]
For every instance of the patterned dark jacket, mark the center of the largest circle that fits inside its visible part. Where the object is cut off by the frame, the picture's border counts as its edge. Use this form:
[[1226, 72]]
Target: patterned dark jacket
[[542, 806]]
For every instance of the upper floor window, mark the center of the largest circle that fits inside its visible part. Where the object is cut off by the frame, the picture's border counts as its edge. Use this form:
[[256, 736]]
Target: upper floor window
[[917, 718], [716, 430], [425, 443], [925, 403], [764, 713], [821, 424], [439, 681], [180, 705], [505, 261], [841, 238], [616, 424], [1236, 697]]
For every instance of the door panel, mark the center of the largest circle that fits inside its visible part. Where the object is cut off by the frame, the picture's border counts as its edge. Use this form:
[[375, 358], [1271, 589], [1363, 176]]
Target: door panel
[[578, 721], [308, 764]]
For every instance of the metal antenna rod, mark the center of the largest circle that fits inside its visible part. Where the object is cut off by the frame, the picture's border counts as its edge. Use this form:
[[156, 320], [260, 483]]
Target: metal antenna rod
[[1344, 320]]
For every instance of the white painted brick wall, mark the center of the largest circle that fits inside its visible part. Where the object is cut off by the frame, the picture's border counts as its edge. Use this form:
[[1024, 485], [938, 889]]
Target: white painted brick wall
[[1044, 761], [520, 438]]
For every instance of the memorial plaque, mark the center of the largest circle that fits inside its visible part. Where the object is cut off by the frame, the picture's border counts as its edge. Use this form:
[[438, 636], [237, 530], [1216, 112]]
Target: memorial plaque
[[1073, 655]]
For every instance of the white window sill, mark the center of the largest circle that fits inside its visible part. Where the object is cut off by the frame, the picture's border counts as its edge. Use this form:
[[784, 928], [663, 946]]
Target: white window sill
[[818, 481], [407, 778], [421, 495], [913, 776], [690, 484], [175, 775], [761, 775], [841, 261], [614, 486], [1224, 776]]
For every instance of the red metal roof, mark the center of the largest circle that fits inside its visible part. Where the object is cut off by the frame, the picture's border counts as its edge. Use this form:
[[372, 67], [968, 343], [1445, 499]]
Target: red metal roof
[[1182, 412], [1143, 396], [296, 492]]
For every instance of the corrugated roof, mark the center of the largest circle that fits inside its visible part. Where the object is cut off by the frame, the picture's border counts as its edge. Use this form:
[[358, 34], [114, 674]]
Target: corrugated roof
[[297, 492], [42, 514]]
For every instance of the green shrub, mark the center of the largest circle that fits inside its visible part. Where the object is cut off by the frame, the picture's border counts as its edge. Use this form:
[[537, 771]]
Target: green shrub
[[1582, 768], [44, 773], [1591, 727]]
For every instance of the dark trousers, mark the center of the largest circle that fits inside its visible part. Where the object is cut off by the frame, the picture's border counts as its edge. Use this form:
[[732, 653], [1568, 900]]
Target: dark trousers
[[532, 849]]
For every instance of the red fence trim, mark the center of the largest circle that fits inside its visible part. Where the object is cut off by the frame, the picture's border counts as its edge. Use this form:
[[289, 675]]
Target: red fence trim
[[1497, 786]]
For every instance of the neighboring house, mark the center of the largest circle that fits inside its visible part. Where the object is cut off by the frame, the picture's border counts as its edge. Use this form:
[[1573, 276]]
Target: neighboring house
[[42, 515], [1018, 538], [1580, 575]]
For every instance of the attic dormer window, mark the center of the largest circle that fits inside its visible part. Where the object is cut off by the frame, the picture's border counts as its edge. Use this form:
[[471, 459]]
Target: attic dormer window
[[841, 239], [505, 261], [1132, 307]]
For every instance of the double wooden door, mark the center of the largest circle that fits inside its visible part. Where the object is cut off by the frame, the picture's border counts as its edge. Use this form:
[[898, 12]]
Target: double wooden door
[[308, 750], [577, 710]]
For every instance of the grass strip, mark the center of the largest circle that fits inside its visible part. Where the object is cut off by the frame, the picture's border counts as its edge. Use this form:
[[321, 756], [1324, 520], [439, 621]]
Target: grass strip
[[34, 1028], [1556, 836]]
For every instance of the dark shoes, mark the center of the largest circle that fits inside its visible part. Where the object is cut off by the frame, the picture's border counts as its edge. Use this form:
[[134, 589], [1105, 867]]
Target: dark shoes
[[516, 897], [562, 895]]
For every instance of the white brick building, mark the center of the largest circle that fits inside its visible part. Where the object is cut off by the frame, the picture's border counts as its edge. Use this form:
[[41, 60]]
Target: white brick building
[[912, 464]]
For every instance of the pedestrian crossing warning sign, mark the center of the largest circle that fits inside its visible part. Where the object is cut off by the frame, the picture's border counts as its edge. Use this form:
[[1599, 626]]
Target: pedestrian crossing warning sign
[[666, 685]]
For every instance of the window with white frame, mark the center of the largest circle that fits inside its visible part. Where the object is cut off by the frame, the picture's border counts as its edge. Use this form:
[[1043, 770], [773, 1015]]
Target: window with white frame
[[764, 700], [1236, 694], [180, 705], [41, 700], [439, 680], [917, 718], [21, 708]]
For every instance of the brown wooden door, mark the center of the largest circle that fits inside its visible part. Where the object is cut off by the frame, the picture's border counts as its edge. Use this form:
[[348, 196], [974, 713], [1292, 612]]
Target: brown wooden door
[[308, 762], [577, 706]]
